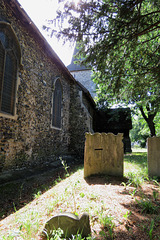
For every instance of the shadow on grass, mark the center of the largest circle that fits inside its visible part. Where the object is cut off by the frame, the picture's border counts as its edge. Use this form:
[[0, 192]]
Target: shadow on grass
[[15, 195], [137, 158], [137, 223], [144, 217]]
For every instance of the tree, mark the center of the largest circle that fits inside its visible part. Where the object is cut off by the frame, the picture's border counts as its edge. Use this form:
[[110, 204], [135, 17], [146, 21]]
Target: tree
[[120, 40], [140, 131]]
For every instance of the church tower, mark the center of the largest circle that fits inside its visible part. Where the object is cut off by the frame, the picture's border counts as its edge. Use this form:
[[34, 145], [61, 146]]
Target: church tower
[[82, 74]]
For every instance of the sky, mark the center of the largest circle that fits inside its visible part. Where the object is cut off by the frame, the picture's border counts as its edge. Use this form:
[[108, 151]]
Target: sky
[[41, 10]]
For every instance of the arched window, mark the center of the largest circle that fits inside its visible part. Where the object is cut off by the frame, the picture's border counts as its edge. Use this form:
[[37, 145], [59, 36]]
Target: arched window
[[57, 104], [10, 56]]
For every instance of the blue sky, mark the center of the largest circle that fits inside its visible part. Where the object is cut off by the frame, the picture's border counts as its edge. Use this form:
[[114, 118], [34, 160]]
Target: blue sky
[[41, 10]]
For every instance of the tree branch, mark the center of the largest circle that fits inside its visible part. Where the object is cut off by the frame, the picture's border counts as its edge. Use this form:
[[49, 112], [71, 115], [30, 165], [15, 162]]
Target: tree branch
[[143, 113], [148, 29]]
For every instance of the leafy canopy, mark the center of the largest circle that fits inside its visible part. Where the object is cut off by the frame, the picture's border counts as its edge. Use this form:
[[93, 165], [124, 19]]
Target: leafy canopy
[[120, 40]]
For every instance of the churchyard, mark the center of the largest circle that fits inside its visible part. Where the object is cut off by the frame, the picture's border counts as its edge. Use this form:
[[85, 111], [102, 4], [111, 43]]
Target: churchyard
[[117, 194], [119, 207]]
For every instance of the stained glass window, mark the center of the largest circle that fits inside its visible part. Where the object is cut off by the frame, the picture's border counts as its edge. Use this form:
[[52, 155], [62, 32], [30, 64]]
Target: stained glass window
[[9, 60]]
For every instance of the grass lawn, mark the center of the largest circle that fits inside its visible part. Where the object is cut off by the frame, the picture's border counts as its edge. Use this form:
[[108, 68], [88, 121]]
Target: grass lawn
[[135, 165], [127, 208]]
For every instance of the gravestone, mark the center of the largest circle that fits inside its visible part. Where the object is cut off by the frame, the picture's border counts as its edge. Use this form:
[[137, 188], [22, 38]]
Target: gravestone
[[69, 223], [103, 154], [153, 149]]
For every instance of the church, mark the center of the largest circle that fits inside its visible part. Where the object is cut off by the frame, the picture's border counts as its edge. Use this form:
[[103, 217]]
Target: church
[[44, 111], [45, 107]]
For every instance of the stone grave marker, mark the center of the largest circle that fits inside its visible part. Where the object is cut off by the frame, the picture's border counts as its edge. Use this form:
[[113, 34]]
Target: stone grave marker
[[153, 149], [69, 223], [103, 154]]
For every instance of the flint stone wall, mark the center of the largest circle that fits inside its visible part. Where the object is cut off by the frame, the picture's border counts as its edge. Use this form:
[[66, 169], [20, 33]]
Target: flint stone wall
[[153, 145], [30, 140], [81, 110], [103, 154]]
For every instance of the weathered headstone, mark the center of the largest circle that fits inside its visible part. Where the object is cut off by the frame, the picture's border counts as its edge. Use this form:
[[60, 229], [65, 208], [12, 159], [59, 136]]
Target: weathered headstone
[[103, 154], [153, 145], [69, 223]]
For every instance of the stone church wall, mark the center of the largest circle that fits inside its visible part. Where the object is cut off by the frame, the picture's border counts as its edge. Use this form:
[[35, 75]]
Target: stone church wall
[[30, 140], [81, 120]]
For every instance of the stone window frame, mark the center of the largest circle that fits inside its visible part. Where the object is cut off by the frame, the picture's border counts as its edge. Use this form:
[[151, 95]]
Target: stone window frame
[[57, 126], [12, 47]]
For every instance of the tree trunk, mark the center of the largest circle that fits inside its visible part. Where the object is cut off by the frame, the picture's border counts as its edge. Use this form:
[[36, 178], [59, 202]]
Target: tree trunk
[[151, 126], [149, 121]]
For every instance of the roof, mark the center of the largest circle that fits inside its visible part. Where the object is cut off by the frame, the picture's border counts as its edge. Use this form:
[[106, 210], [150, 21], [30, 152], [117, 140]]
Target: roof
[[74, 66], [20, 13]]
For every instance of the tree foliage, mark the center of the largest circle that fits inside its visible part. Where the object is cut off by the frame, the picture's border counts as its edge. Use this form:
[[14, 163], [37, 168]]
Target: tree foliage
[[120, 40], [140, 130]]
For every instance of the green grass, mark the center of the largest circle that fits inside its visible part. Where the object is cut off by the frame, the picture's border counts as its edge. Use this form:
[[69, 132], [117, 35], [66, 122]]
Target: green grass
[[136, 164], [135, 168], [107, 224], [147, 206]]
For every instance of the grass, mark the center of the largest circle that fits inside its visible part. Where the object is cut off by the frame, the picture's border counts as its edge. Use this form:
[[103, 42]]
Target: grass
[[135, 166], [108, 208], [108, 224], [147, 206]]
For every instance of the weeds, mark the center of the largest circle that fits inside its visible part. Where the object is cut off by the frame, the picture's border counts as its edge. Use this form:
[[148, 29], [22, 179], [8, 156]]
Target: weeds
[[14, 207], [29, 224], [127, 214], [151, 229], [93, 197], [82, 195], [147, 206], [57, 235], [37, 195], [135, 179], [74, 197], [65, 166], [156, 182], [107, 224], [132, 193], [10, 237], [155, 195], [136, 167], [124, 184]]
